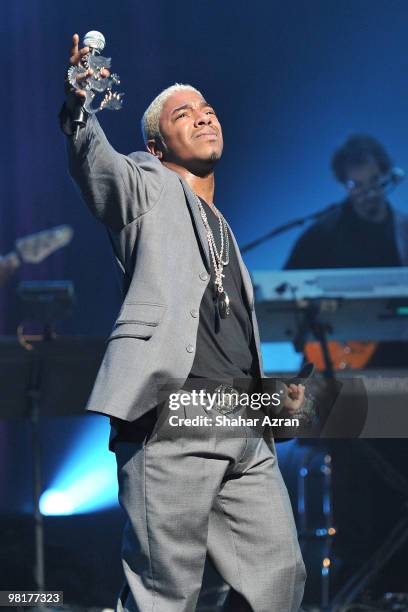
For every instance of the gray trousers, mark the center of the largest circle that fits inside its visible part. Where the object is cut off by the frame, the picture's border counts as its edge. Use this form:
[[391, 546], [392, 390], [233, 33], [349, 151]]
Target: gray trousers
[[189, 491]]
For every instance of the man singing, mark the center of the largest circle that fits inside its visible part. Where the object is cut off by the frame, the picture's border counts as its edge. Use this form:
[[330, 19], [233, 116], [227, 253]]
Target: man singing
[[188, 315]]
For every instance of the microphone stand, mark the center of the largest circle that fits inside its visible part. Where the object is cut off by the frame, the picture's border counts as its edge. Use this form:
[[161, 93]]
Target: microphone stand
[[281, 229], [80, 115]]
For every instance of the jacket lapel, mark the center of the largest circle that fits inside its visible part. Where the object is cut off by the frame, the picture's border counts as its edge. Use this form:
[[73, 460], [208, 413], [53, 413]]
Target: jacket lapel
[[244, 272], [198, 223]]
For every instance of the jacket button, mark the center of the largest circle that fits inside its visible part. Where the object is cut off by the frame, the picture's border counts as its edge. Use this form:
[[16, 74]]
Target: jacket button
[[204, 276], [190, 348], [194, 313]]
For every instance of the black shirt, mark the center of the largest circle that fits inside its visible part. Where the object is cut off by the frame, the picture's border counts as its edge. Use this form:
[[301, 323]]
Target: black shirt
[[342, 239], [225, 348]]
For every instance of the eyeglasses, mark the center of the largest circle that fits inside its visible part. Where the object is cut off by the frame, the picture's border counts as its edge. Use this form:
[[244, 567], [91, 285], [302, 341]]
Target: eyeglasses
[[372, 187], [377, 183]]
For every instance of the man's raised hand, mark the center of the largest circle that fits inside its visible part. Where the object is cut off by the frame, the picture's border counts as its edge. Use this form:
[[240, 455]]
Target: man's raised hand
[[76, 56]]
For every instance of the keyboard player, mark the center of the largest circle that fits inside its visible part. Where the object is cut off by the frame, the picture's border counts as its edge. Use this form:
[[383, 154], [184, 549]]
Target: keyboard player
[[362, 231]]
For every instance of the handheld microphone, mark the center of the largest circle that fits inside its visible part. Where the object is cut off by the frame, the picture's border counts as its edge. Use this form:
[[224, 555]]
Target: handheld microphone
[[96, 42]]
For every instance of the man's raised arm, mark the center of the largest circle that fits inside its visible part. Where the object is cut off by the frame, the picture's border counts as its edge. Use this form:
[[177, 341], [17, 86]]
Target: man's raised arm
[[116, 188]]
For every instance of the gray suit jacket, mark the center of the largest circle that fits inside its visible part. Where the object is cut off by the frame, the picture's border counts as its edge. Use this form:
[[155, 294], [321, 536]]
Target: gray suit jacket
[[160, 245]]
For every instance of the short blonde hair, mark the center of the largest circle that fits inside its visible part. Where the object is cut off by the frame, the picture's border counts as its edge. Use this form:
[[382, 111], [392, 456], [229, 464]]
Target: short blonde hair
[[151, 116]]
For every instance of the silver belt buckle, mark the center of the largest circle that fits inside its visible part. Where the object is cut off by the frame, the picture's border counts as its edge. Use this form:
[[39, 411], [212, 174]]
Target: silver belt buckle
[[229, 399]]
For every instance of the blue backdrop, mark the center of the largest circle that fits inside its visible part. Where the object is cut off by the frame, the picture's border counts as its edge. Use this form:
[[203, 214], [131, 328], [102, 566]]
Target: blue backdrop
[[290, 80]]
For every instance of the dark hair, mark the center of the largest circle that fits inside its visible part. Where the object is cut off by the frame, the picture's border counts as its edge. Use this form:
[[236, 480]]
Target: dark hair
[[357, 150]]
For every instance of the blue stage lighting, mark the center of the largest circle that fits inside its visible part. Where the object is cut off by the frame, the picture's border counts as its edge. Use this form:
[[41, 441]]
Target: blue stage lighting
[[54, 502], [86, 481]]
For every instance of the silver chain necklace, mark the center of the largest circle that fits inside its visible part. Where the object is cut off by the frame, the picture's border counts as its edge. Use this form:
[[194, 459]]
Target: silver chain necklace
[[223, 301]]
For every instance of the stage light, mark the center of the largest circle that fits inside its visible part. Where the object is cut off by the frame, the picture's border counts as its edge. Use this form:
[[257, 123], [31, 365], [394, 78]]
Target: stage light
[[86, 482], [55, 502], [320, 532]]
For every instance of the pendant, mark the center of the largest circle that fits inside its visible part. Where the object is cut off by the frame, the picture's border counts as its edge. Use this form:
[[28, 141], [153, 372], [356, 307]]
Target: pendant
[[223, 303]]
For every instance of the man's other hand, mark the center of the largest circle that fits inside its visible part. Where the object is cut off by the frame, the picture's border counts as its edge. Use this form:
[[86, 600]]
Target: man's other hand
[[294, 399]]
